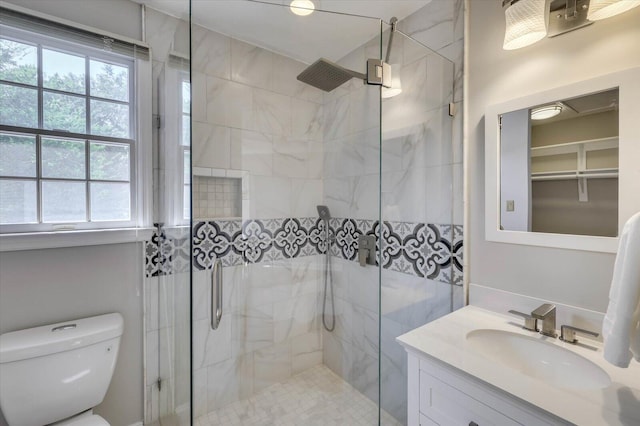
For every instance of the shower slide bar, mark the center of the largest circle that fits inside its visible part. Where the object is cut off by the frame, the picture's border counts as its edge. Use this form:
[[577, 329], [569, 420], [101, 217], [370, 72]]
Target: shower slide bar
[[216, 294]]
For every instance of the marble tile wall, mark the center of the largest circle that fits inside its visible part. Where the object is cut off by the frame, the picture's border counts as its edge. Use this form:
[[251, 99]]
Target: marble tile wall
[[440, 26], [270, 329], [250, 114], [420, 169]]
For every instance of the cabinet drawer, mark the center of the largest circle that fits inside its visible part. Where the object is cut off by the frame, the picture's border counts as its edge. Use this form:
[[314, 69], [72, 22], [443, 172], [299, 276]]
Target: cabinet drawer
[[445, 405]]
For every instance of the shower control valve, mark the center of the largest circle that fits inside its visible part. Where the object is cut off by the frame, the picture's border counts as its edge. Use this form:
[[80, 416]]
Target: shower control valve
[[367, 250]]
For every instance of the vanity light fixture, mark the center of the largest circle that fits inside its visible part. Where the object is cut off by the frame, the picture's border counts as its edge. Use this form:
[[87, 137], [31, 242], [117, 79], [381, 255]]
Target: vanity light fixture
[[302, 7], [602, 9], [528, 21], [546, 111]]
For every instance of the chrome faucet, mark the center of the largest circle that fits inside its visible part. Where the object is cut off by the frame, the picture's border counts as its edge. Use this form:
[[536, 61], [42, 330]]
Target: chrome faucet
[[547, 314]]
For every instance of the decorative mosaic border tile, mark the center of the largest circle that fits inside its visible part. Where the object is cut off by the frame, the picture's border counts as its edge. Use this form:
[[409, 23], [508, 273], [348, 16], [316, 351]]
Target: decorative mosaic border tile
[[165, 255], [236, 242], [456, 250], [425, 250]]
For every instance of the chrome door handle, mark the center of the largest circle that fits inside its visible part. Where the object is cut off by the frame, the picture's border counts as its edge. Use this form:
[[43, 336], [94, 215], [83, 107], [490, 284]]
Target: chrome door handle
[[216, 294]]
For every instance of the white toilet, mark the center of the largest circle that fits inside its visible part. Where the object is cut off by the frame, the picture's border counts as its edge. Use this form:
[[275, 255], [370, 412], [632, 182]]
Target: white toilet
[[56, 374]]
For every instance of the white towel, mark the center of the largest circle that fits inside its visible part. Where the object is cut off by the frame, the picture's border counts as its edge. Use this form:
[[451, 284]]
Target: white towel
[[621, 326]]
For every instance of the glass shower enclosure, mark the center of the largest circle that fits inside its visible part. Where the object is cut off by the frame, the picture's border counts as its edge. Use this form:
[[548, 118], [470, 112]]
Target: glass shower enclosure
[[289, 320], [267, 151]]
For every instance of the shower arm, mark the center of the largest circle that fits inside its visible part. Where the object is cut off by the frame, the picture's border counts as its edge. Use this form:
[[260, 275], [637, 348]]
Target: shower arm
[[393, 22], [326, 75], [355, 74]]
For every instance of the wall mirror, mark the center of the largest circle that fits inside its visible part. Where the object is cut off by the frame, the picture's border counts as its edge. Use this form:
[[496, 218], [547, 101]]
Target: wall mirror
[[563, 166]]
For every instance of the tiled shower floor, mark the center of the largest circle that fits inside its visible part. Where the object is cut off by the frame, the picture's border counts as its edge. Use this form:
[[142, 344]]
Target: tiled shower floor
[[315, 397]]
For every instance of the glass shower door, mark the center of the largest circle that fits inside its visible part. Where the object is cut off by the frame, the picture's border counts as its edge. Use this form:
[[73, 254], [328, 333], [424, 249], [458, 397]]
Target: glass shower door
[[419, 263], [267, 151], [168, 254]]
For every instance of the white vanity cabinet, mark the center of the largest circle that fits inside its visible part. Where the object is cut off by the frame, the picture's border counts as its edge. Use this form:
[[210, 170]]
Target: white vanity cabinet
[[444, 396], [455, 381]]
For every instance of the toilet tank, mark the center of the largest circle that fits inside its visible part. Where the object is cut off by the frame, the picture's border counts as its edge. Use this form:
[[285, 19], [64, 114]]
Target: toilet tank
[[55, 371]]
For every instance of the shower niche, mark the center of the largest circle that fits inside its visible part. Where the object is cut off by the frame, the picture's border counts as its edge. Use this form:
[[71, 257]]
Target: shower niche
[[219, 194]]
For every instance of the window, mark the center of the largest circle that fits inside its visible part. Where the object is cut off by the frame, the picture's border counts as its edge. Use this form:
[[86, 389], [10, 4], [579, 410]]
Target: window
[[67, 126], [185, 145]]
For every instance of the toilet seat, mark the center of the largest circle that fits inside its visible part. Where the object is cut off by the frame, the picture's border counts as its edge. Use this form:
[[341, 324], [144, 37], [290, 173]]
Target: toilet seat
[[84, 420]]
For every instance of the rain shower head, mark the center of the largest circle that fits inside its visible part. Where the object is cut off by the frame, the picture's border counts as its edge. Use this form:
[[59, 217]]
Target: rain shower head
[[323, 212], [326, 75]]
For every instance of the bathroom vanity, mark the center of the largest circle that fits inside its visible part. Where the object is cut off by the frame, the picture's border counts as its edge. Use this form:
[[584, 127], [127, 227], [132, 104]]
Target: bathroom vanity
[[476, 367]]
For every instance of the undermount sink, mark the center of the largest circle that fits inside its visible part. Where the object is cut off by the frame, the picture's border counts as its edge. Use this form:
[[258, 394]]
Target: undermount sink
[[539, 359]]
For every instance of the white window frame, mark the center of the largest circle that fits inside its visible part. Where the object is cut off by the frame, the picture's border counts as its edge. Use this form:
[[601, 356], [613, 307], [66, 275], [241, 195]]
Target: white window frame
[[172, 149], [185, 148], [40, 132], [141, 175]]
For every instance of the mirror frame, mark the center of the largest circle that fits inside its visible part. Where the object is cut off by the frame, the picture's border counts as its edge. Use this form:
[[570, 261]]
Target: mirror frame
[[628, 82]]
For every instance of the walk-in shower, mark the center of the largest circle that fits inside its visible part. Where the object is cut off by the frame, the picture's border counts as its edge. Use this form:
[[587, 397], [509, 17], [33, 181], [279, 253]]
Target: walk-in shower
[[291, 165]]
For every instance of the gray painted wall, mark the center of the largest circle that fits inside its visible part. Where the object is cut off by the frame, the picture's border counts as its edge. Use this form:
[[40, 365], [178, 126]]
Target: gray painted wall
[[495, 75], [39, 287]]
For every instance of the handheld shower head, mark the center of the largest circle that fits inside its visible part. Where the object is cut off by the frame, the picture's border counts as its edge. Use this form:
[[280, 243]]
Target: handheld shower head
[[323, 212]]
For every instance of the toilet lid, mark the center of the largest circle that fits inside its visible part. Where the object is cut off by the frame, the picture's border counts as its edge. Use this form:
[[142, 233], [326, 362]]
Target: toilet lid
[[93, 420]]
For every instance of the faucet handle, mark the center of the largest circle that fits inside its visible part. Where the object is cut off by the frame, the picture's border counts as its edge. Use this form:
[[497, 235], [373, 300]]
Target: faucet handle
[[568, 333], [530, 323]]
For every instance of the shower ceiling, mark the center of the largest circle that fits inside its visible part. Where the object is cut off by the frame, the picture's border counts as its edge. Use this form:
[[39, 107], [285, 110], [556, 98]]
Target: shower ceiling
[[318, 35]]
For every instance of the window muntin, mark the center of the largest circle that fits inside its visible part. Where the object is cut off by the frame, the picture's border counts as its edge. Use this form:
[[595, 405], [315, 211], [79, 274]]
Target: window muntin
[[66, 135]]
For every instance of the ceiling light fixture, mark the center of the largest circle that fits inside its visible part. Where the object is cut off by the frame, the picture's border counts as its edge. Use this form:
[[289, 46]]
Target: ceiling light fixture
[[526, 23], [602, 9], [302, 7], [546, 111]]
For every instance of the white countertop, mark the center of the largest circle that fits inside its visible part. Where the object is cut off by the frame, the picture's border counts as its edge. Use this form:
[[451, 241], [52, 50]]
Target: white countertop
[[445, 340]]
